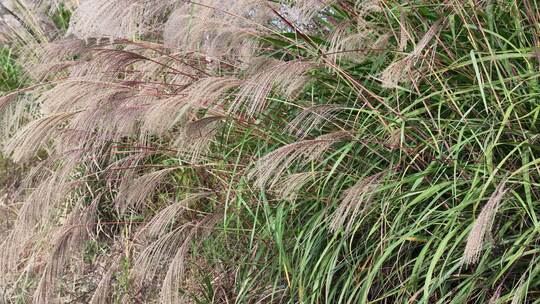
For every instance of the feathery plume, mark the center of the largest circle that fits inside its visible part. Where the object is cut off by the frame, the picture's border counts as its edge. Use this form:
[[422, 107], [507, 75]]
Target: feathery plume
[[13, 116], [351, 41], [109, 62], [269, 168], [138, 190], [482, 226], [100, 295], [206, 93], [302, 12], [312, 118], [197, 136], [397, 71], [289, 186], [43, 59], [165, 246], [288, 78], [520, 291], [151, 259], [117, 19], [175, 273], [353, 202], [74, 231], [176, 270], [217, 28], [34, 135], [157, 226]]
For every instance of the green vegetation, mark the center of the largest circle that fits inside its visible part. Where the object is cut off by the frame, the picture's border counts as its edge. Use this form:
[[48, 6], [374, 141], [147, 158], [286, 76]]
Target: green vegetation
[[11, 78], [61, 17], [376, 152], [10, 73]]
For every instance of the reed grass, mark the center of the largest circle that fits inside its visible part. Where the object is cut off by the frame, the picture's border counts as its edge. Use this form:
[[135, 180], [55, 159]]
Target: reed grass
[[279, 152]]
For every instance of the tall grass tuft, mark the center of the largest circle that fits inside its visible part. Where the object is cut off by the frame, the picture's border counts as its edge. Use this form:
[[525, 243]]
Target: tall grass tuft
[[275, 152]]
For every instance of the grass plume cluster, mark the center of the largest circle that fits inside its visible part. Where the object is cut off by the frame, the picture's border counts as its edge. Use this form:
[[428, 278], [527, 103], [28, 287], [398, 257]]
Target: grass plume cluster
[[252, 151]]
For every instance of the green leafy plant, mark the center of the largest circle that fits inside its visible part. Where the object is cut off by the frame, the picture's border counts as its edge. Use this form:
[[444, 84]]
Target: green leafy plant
[[10, 72], [291, 151]]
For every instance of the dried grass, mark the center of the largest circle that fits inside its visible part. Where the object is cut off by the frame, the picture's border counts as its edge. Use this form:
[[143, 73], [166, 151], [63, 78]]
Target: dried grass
[[354, 201]]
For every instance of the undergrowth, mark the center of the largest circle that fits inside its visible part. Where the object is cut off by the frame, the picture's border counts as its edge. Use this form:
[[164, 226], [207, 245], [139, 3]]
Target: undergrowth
[[277, 152], [10, 72]]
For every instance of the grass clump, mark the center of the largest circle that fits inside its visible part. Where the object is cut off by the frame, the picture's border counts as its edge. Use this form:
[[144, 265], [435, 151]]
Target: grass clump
[[295, 151], [10, 72]]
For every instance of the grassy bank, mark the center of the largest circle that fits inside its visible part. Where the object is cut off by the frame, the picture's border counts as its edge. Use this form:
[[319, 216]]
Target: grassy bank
[[352, 152]]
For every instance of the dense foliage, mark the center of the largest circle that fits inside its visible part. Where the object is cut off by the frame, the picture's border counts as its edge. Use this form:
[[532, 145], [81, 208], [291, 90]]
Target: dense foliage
[[254, 151]]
